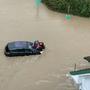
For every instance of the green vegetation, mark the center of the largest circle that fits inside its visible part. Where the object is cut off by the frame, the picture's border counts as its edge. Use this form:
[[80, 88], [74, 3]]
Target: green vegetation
[[77, 7]]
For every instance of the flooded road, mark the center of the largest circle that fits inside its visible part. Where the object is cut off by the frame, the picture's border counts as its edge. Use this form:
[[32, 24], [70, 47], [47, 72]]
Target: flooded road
[[67, 42]]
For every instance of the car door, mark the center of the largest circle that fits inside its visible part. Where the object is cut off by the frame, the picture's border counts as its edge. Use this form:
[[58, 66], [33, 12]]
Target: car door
[[18, 52], [28, 52], [21, 52]]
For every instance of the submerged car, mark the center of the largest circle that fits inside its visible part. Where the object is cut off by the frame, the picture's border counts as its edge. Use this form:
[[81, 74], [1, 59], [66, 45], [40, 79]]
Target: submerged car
[[21, 48]]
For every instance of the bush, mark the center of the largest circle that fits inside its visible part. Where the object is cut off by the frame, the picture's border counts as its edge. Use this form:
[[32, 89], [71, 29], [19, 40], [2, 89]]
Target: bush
[[77, 7]]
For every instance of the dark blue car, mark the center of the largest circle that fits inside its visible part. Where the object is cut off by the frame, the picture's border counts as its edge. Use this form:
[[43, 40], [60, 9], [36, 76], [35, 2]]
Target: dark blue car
[[21, 48]]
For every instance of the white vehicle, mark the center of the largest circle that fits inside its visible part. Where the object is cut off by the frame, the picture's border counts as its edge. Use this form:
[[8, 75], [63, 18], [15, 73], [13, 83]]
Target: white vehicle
[[81, 78]]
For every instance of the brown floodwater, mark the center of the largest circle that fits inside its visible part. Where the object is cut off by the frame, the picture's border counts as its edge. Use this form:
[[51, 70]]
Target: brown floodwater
[[67, 42]]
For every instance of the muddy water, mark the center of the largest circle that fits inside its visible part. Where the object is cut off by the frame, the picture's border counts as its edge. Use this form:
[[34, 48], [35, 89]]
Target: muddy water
[[66, 41]]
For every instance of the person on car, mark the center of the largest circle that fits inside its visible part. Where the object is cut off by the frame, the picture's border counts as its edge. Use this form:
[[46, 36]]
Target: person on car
[[35, 44]]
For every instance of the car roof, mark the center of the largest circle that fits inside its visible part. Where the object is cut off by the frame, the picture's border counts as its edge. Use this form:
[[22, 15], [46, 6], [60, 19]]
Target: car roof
[[18, 45]]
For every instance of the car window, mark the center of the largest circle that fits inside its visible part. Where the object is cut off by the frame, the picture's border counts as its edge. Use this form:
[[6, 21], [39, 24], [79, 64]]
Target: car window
[[28, 50], [18, 50]]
